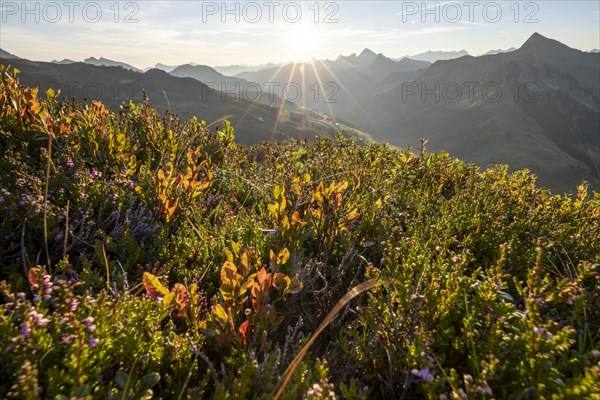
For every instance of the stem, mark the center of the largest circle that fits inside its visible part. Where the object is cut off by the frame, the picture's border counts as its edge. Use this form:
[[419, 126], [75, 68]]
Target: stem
[[46, 204], [66, 230], [107, 269]]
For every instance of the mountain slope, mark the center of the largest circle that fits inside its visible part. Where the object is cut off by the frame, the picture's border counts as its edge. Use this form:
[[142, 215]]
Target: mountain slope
[[109, 63], [254, 121], [7, 55], [536, 107], [335, 87], [433, 56], [208, 76]]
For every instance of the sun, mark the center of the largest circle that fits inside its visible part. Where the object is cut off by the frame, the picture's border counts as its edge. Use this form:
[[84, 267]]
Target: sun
[[303, 42]]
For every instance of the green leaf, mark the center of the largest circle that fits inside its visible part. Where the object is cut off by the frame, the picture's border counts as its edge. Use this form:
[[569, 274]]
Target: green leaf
[[121, 379], [82, 391], [149, 381], [505, 296]]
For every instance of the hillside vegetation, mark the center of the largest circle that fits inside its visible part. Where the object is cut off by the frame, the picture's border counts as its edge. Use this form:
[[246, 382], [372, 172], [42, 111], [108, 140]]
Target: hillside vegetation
[[143, 256]]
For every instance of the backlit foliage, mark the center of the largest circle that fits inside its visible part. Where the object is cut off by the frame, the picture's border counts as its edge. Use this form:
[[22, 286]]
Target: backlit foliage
[[143, 255]]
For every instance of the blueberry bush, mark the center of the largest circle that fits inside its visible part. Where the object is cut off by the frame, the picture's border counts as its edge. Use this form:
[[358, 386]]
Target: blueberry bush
[[147, 256]]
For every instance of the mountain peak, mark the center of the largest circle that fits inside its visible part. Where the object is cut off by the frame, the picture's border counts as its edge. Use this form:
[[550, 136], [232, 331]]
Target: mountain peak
[[367, 53], [536, 39], [538, 44]]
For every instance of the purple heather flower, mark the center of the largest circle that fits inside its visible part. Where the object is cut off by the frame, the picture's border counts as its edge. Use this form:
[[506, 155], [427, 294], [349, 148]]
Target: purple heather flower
[[96, 174], [46, 287], [88, 321], [74, 304], [19, 182], [423, 374], [543, 332], [21, 296], [39, 319], [93, 342], [68, 339], [91, 328], [85, 196], [26, 330], [70, 163], [64, 320], [430, 361], [1, 199], [59, 236]]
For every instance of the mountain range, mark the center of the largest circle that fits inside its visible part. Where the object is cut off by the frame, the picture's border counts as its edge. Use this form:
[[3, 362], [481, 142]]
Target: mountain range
[[113, 85], [535, 107], [433, 56]]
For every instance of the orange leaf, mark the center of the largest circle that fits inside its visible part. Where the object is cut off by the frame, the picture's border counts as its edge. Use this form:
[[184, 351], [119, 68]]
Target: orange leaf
[[33, 276], [244, 330]]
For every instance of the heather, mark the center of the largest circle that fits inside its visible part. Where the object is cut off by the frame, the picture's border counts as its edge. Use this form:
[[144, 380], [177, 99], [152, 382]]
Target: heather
[[145, 255]]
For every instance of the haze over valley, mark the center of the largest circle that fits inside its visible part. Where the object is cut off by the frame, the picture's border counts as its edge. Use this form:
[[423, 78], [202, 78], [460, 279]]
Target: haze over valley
[[535, 106]]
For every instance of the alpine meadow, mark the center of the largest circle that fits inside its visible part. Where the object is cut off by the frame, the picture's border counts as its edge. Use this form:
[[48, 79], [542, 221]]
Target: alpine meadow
[[259, 216]]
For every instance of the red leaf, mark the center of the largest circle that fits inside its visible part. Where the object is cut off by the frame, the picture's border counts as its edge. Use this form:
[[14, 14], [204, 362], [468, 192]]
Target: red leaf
[[244, 330], [33, 276]]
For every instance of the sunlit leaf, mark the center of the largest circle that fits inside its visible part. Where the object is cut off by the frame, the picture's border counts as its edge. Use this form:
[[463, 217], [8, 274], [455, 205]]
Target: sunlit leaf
[[283, 256], [153, 286]]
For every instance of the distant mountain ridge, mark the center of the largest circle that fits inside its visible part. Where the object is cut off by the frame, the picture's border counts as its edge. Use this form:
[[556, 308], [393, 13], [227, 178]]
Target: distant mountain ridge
[[109, 63], [7, 55], [433, 56], [535, 107], [499, 51]]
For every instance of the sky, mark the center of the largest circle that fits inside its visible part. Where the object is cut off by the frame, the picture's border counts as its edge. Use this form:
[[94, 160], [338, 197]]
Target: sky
[[217, 33]]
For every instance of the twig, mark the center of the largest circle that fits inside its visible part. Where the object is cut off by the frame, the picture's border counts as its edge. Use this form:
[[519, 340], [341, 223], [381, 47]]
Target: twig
[[107, 269], [66, 230], [23, 260], [355, 291], [46, 202]]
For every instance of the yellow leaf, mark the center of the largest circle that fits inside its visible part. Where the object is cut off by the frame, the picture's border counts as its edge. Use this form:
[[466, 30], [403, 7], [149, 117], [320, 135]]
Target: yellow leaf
[[220, 313], [245, 262], [273, 209], [285, 223], [356, 180], [283, 256], [153, 286], [169, 300], [283, 203], [229, 255], [228, 273]]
